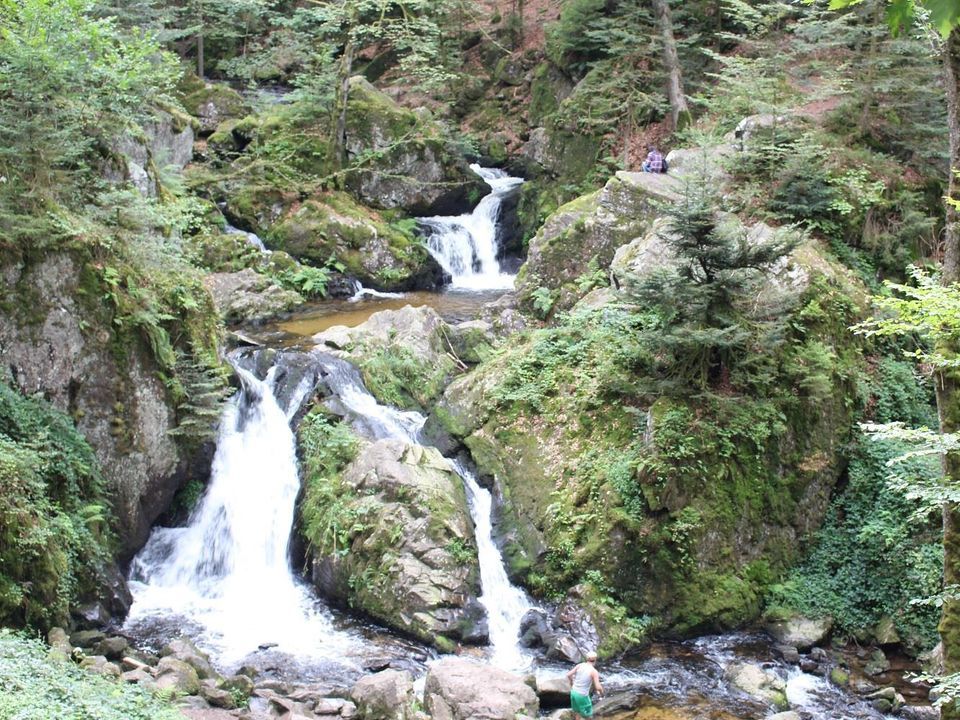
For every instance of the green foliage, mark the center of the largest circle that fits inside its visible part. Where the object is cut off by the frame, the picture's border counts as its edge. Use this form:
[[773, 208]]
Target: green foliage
[[871, 558], [52, 53], [54, 519], [32, 686], [311, 282], [705, 327], [330, 520]]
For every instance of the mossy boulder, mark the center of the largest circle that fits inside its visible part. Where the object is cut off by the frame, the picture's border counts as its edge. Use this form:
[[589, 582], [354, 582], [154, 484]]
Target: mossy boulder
[[395, 541], [591, 229], [403, 159], [248, 296], [332, 227], [402, 355], [562, 154], [684, 508], [212, 104]]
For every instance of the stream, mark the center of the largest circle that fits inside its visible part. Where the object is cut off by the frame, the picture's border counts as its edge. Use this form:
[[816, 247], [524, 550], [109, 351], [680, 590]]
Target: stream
[[225, 580]]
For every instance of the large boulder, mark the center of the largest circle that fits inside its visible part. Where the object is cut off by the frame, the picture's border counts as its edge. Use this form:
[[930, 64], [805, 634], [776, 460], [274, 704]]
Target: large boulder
[[403, 354], [164, 142], [386, 695], [403, 159], [381, 255], [403, 548], [589, 230], [213, 103], [800, 632], [248, 296], [458, 689]]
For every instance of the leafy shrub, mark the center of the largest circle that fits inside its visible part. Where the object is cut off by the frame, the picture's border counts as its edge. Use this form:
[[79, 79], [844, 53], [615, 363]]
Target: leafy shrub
[[31, 686], [53, 519]]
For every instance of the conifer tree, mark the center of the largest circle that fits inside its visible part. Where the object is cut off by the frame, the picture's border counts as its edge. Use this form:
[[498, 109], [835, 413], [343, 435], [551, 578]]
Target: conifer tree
[[704, 326]]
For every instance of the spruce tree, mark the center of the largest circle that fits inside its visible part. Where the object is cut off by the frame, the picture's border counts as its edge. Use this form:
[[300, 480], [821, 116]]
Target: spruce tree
[[704, 324]]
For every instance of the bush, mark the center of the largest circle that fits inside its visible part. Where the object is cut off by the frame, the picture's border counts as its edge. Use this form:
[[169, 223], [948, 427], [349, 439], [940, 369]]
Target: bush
[[35, 688]]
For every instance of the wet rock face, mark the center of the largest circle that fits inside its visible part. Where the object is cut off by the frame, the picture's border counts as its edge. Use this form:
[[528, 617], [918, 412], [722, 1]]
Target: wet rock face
[[410, 557], [123, 412], [457, 689], [758, 683]]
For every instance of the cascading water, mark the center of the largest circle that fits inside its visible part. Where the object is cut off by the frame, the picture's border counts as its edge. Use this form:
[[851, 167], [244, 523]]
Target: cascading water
[[228, 571], [466, 245], [252, 238], [505, 603]]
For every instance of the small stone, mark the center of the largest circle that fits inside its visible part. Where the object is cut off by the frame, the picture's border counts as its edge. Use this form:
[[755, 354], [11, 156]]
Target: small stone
[[218, 697], [788, 653], [839, 677]]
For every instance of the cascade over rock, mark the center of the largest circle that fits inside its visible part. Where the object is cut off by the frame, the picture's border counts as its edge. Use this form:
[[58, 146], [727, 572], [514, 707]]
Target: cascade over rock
[[529, 453], [57, 348], [402, 565]]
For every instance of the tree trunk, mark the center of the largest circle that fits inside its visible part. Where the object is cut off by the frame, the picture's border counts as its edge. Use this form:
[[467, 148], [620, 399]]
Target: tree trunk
[[679, 110], [339, 146], [200, 55], [948, 380]]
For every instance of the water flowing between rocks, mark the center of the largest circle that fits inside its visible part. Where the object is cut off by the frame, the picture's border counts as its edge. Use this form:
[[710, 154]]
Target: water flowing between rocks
[[226, 579]]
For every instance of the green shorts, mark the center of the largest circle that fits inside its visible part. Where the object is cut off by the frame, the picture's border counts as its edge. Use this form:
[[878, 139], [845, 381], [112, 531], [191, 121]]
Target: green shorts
[[581, 704]]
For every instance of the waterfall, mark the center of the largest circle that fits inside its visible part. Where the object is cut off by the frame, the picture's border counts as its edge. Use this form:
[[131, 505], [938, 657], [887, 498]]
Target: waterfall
[[252, 238], [466, 245], [228, 571], [505, 603]]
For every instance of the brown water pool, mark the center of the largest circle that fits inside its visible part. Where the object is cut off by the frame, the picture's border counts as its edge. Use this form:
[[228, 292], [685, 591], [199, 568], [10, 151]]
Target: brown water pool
[[452, 305]]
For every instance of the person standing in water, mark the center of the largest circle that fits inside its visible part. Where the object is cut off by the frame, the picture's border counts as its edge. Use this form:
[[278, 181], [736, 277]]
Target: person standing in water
[[584, 678]]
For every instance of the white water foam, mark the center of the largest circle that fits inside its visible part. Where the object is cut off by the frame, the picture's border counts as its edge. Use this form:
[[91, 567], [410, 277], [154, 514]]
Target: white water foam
[[466, 245], [506, 604], [228, 571]]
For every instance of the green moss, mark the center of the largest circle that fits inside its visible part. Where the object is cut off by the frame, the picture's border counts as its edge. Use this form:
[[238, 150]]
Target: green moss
[[395, 376]]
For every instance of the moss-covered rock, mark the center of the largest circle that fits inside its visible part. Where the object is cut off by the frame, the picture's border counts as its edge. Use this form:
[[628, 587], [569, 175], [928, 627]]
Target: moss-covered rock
[[677, 509], [591, 229], [212, 104], [333, 228], [391, 536], [402, 158], [402, 355]]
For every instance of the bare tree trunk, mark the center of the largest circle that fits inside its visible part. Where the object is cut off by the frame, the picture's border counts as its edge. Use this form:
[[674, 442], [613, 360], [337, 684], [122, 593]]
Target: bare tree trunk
[[200, 55], [680, 111], [339, 146], [948, 380]]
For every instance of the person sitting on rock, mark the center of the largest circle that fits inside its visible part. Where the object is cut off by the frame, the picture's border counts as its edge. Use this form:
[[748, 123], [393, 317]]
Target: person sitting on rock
[[655, 162], [584, 678]]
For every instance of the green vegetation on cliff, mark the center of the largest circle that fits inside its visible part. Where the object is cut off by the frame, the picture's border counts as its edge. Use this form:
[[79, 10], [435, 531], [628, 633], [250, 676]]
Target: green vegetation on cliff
[[55, 515]]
